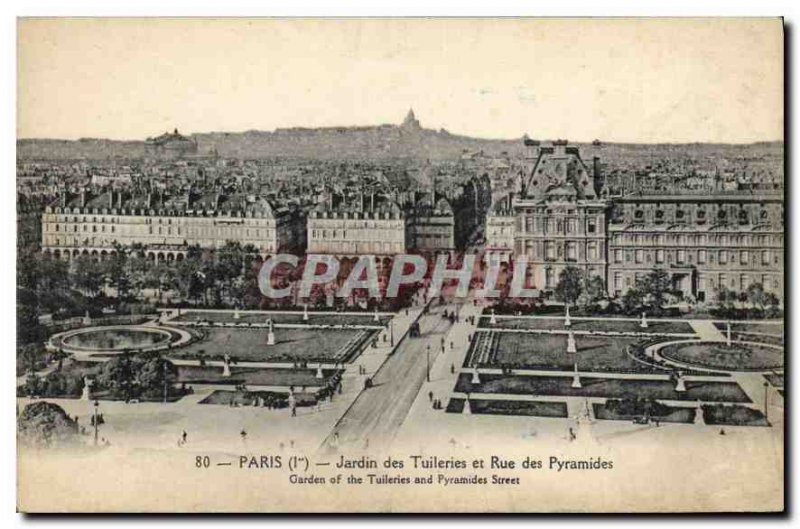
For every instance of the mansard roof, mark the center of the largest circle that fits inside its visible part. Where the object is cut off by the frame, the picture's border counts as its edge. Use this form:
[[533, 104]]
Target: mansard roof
[[559, 171]]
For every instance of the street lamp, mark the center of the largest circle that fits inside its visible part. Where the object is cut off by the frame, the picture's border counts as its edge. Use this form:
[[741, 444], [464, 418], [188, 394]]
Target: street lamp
[[391, 332], [428, 362], [766, 407], [165, 381], [96, 405]]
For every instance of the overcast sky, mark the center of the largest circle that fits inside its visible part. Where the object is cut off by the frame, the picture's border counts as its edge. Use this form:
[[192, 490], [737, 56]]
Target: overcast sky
[[580, 79]]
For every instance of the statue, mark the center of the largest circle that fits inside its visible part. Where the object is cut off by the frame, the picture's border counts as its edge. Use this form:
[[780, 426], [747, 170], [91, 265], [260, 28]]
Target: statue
[[571, 343], [87, 388], [270, 332], [226, 365]]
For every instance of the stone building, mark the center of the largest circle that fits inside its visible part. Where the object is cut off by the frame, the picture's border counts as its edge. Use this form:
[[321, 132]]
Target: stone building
[[170, 145], [86, 224], [373, 225], [563, 217], [704, 242]]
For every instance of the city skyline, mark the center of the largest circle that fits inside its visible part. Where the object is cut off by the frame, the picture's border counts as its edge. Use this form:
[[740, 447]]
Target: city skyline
[[375, 69]]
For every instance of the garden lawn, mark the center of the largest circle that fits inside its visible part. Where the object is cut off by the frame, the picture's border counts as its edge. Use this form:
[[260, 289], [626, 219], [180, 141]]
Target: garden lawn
[[510, 407], [608, 325], [600, 387], [291, 345]]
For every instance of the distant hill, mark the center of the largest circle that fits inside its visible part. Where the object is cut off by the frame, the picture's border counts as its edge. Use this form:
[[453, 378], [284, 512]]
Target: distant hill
[[382, 142]]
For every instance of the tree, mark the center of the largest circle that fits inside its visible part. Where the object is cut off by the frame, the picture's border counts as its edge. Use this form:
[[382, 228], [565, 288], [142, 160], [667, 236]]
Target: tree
[[594, 289], [87, 275], [569, 288], [632, 300], [655, 286], [44, 424], [117, 376], [154, 374], [756, 295]]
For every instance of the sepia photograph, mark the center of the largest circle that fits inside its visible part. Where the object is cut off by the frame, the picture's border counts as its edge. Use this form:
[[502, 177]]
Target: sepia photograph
[[400, 265]]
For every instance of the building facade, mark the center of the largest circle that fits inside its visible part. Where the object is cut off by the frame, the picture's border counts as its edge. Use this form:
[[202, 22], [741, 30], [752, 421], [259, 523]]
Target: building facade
[[93, 225], [562, 217], [355, 229]]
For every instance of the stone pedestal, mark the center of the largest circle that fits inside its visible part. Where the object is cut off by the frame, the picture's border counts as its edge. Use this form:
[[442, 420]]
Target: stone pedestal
[[567, 320], [226, 369], [643, 324], [319, 374], [467, 408], [305, 312], [679, 385], [87, 320], [571, 343], [236, 314], [493, 318], [698, 415], [270, 338], [728, 335], [476, 377], [375, 316], [576, 378]]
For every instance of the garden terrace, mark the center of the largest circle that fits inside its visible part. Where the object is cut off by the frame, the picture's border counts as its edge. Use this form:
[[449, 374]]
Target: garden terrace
[[615, 388], [529, 408], [291, 345]]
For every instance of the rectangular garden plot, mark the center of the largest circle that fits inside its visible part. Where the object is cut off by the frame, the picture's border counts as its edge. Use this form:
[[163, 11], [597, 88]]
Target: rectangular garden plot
[[609, 325], [510, 407], [252, 376], [732, 415], [292, 345], [602, 387], [284, 317], [674, 414], [549, 351]]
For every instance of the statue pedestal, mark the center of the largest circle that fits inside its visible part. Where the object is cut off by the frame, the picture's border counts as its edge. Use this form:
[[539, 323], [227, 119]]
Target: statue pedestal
[[271, 338], [643, 324], [571, 344], [226, 370], [679, 385], [576, 381], [319, 374], [476, 377], [493, 319], [467, 408]]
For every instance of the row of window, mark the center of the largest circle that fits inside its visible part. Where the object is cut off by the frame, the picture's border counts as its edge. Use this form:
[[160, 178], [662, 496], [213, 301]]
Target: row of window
[[681, 256]]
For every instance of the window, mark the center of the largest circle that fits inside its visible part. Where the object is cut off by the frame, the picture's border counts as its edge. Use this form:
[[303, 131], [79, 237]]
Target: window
[[744, 257], [639, 256], [723, 257], [659, 256], [681, 256], [701, 257], [617, 256], [591, 227]]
